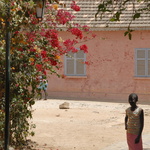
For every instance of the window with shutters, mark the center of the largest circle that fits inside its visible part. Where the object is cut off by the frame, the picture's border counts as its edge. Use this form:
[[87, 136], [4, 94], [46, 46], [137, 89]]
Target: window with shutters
[[74, 64], [142, 62]]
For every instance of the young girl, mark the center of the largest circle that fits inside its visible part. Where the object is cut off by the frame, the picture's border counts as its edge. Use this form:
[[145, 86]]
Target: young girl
[[134, 123]]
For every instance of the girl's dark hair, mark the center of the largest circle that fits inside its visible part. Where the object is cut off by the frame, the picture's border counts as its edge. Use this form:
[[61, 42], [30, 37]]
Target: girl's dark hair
[[133, 96]]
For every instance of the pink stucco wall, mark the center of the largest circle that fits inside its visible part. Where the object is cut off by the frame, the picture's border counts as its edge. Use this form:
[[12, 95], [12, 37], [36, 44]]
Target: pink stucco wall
[[110, 75]]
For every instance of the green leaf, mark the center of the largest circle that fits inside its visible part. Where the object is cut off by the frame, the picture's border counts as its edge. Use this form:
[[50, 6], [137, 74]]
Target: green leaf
[[50, 1], [126, 33], [118, 16], [113, 19], [20, 13], [100, 6], [110, 2], [130, 36], [137, 15], [32, 133]]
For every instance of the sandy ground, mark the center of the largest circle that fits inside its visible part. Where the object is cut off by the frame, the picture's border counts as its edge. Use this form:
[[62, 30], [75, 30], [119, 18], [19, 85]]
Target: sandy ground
[[86, 125]]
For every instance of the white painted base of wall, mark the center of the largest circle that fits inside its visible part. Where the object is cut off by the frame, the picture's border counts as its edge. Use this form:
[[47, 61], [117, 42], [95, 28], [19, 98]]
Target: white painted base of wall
[[112, 97]]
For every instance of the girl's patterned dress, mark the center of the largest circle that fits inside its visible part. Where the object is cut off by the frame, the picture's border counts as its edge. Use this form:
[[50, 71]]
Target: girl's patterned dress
[[133, 127]]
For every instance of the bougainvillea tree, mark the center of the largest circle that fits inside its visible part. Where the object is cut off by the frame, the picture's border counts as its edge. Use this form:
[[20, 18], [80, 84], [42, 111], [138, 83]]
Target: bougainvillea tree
[[36, 48]]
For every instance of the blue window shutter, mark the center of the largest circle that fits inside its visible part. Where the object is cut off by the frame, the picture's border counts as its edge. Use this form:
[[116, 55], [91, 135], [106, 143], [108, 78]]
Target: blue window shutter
[[142, 62], [74, 64]]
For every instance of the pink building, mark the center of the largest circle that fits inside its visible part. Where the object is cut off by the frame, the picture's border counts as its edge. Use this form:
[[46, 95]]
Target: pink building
[[117, 66]]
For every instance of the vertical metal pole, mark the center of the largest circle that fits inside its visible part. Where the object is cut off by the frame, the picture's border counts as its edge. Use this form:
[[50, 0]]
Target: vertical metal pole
[[7, 86]]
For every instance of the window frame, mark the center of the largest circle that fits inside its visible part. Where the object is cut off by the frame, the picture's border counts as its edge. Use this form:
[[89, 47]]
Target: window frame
[[75, 65], [146, 59]]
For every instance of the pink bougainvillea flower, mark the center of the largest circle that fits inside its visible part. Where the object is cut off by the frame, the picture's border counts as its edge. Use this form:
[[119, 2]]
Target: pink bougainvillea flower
[[74, 50], [54, 43], [87, 63], [42, 33], [16, 32], [44, 72], [53, 62], [93, 35], [52, 36], [63, 16], [74, 6], [32, 63], [12, 3], [39, 67], [84, 48], [86, 28], [31, 37], [43, 54], [37, 56], [77, 32], [69, 44], [32, 50], [17, 85], [20, 49]]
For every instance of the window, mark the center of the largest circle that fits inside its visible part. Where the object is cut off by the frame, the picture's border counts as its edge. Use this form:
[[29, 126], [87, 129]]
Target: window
[[142, 62], [74, 64]]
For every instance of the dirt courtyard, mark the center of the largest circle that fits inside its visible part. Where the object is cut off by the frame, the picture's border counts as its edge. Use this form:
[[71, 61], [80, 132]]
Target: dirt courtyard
[[87, 125]]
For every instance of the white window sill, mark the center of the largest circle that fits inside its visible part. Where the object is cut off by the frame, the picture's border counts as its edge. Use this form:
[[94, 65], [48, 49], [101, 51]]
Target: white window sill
[[142, 78], [75, 77]]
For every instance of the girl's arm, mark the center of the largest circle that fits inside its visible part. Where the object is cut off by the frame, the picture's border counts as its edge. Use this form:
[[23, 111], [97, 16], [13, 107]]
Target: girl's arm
[[126, 120], [141, 126]]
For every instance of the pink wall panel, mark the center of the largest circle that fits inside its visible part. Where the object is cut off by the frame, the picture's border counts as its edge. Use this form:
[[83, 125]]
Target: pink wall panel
[[110, 75]]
